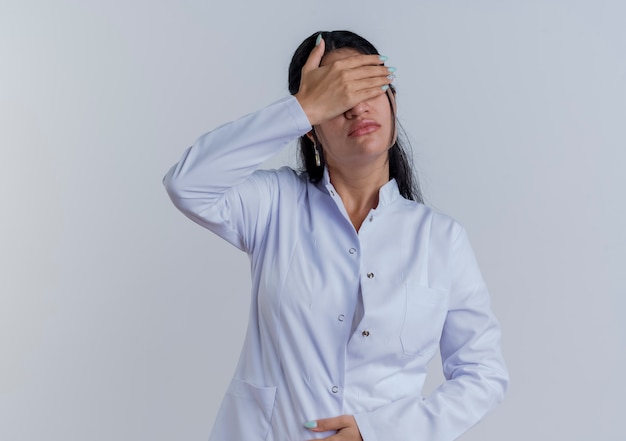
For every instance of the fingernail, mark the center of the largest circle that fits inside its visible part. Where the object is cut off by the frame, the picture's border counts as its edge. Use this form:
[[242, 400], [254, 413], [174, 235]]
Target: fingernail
[[310, 424], [385, 87], [391, 77], [383, 58], [391, 69], [318, 40]]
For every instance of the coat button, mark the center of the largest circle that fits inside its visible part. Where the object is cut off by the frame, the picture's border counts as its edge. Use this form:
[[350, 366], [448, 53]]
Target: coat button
[[334, 389], [365, 333], [370, 275], [352, 250], [341, 317]]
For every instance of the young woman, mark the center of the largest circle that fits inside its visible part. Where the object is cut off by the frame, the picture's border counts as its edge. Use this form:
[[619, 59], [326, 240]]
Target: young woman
[[355, 283]]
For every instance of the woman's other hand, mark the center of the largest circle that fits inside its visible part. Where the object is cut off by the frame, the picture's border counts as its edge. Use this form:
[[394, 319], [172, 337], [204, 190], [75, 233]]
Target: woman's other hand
[[327, 91], [345, 425]]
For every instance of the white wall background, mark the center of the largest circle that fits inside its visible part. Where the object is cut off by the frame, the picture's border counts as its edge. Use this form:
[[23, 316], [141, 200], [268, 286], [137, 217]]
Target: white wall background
[[122, 320]]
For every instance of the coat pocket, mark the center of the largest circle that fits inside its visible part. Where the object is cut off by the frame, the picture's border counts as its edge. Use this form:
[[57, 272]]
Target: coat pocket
[[245, 413], [425, 314]]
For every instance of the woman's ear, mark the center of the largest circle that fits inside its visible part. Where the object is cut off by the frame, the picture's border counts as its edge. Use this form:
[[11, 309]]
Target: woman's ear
[[311, 136]]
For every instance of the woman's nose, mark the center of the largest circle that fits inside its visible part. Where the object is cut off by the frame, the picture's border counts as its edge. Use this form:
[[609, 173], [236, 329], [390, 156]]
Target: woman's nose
[[357, 110]]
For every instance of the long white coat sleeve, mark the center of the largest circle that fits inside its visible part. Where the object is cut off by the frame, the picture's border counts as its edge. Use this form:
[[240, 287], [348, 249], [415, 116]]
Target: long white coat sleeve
[[225, 159]]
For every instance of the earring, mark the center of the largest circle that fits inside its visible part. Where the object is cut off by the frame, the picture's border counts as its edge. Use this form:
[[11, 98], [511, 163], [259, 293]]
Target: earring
[[318, 161]]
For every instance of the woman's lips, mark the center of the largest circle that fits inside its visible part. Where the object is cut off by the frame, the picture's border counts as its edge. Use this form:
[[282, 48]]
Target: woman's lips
[[363, 128]]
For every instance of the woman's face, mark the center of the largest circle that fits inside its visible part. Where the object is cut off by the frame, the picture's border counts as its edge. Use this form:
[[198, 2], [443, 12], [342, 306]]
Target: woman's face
[[360, 136]]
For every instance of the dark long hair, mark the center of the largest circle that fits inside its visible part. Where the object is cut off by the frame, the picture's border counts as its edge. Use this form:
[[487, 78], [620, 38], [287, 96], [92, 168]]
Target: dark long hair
[[400, 166]]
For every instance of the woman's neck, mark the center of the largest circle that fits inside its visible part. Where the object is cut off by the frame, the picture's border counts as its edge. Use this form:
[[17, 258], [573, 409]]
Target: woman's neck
[[358, 189]]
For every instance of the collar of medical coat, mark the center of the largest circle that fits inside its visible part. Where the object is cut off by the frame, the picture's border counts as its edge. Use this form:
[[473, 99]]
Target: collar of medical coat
[[386, 195]]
